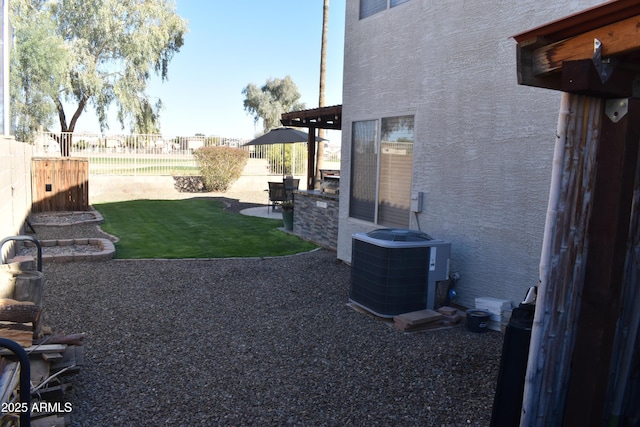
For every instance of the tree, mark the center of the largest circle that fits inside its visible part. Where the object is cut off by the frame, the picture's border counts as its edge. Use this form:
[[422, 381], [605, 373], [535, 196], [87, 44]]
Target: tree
[[323, 72], [113, 48], [37, 64], [268, 102]]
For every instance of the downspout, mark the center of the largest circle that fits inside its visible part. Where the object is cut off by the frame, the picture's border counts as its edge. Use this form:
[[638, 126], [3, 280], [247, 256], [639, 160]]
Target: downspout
[[6, 47], [529, 402]]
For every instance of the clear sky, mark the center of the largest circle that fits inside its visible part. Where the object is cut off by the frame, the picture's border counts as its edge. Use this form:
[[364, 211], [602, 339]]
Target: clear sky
[[231, 44]]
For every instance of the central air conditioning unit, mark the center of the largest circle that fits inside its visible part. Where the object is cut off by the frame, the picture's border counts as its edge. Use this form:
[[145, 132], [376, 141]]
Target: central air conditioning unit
[[394, 271]]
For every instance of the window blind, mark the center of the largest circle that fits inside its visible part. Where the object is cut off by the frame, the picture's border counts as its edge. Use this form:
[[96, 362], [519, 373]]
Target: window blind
[[364, 162], [371, 7], [396, 162]]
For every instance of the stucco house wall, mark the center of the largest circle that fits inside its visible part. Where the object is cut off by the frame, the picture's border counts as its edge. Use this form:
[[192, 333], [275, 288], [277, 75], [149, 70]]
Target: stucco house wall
[[483, 144], [15, 187]]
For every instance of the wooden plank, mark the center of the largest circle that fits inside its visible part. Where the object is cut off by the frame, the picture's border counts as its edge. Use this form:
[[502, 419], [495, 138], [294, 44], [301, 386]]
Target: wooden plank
[[583, 78], [562, 268], [454, 319], [419, 317], [617, 39], [50, 421], [447, 311], [37, 349], [608, 231], [39, 371], [51, 357], [583, 21], [417, 320], [9, 380], [71, 339], [55, 393], [626, 353], [72, 360], [21, 333]]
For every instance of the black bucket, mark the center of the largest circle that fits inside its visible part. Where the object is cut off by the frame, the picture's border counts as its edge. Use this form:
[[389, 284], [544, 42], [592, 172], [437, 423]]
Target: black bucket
[[478, 320]]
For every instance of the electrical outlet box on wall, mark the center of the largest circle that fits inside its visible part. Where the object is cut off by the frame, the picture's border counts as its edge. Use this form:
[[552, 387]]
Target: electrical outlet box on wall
[[417, 200]]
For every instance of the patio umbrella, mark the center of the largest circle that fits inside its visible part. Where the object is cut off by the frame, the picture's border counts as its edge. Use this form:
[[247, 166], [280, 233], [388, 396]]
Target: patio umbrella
[[281, 136]]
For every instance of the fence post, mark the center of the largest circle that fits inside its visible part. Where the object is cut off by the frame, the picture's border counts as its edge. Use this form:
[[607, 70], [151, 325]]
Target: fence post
[[135, 155]]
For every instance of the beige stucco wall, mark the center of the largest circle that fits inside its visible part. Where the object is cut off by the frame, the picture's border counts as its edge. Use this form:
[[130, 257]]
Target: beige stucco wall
[[15, 186], [483, 144]]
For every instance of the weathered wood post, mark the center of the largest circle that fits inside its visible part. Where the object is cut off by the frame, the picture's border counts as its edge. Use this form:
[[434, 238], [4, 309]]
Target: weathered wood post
[[591, 244]]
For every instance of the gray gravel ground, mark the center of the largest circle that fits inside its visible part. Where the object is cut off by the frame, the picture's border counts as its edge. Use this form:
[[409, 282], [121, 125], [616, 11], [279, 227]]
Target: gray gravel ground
[[255, 342]]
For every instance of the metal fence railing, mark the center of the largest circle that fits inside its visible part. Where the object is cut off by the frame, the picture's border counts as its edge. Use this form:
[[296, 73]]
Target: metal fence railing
[[159, 155]]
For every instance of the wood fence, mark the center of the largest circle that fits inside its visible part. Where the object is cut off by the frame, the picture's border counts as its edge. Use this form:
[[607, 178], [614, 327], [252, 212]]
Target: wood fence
[[59, 184]]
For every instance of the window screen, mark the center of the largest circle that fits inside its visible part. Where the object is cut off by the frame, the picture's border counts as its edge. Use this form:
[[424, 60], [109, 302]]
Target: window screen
[[364, 162], [397, 2], [370, 7], [396, 160]]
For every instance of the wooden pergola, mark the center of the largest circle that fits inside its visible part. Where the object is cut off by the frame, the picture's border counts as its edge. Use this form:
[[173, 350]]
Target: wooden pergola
[[317, 118], [584, 359]]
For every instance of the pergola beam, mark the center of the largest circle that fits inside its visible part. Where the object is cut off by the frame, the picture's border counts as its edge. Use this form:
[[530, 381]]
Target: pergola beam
[[543, 52], [617, 39], [319, 118]]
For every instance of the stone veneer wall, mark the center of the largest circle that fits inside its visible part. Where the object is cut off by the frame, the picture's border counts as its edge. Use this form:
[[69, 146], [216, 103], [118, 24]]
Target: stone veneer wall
[[315, 218]]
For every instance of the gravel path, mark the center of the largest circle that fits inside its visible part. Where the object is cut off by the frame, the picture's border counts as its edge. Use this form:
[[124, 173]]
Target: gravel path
[[258, 342]]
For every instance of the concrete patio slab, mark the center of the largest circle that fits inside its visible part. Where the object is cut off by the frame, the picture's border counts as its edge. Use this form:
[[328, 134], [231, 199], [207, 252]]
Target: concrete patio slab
[[263, 212]]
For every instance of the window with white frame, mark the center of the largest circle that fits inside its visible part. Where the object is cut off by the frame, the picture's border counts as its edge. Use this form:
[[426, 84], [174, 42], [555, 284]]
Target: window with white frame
[[381, 168], [371, 7]]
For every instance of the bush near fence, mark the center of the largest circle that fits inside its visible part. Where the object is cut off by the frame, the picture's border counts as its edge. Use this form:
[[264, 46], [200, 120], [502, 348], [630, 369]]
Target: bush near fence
[[220, 166]]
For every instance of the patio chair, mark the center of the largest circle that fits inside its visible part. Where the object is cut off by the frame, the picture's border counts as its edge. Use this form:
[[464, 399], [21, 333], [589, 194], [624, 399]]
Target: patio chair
[[290, 184], [277, 194]]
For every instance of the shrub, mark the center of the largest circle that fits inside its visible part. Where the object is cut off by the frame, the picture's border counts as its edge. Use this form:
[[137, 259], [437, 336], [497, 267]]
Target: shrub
[[220, 166]]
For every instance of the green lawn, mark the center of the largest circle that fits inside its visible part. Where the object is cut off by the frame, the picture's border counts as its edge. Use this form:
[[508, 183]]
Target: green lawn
[[193, 228], [143, 165]]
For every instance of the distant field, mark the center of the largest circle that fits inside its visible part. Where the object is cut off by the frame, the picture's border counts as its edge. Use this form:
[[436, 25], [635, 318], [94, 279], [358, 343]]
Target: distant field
[[152, 165]]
